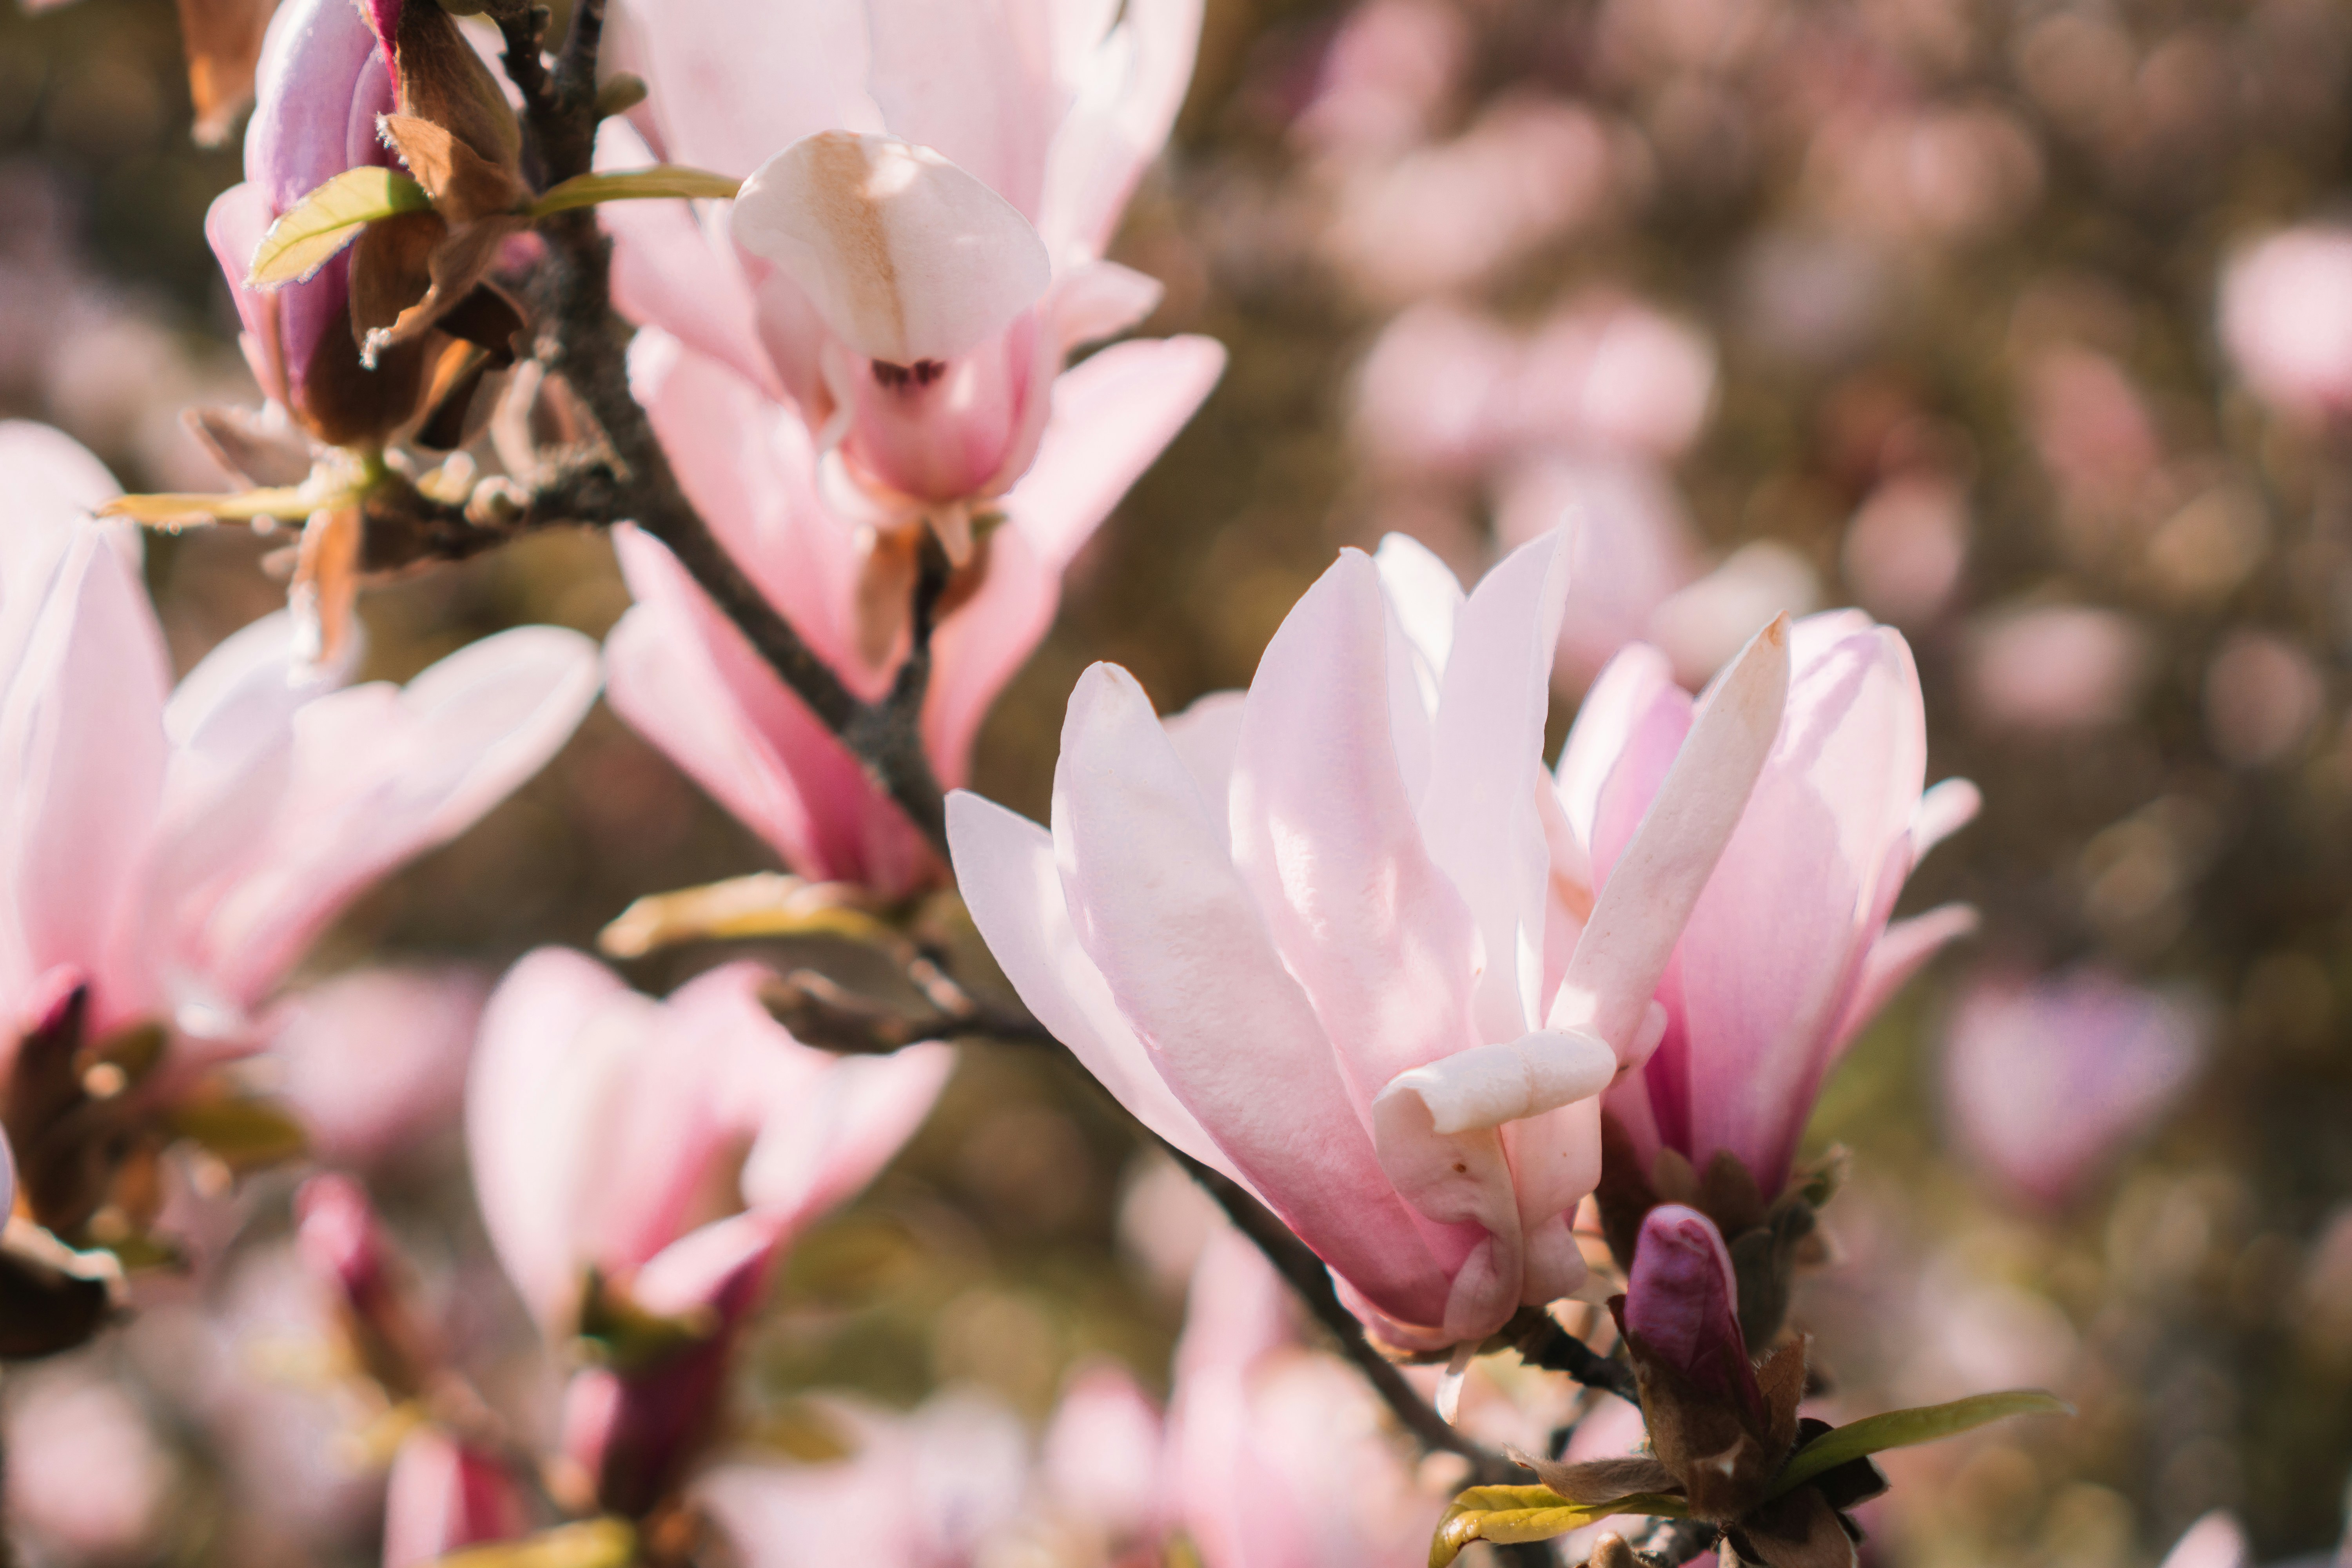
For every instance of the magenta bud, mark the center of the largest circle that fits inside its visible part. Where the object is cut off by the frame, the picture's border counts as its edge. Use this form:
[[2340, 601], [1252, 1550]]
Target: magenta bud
[[1683, 1303]]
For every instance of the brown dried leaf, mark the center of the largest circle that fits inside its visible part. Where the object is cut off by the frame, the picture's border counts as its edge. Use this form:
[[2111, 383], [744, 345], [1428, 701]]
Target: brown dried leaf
[[1598, 1480], [464, 184]]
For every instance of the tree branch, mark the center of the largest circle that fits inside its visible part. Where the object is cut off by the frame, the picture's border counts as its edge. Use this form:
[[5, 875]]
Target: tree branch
[[1312, 1280], [1546, 1344], [580, 336]]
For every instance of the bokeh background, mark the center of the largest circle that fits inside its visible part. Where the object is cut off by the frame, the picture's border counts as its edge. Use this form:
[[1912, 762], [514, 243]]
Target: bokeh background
[[1910, 304]]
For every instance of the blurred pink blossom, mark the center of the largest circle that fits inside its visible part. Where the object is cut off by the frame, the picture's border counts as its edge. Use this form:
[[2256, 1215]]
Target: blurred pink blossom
[[1447, 390], [1424, 1118], [2286, 321], [1386, 77], [1282, 1457], [443, 1496], [936, 1489], [2262, 696], [374, 1061], [2047, 1080], [2090, 427], [1906, 547], [2055, 667], [1788, 951], [673, 1148], [1698, 624], [1630, 543], [176, 850], [88, 1479], [1451, 215]]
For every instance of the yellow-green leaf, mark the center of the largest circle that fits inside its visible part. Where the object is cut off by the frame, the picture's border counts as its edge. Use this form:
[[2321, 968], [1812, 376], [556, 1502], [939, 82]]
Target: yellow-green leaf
[[1903, 1428], [329, 218], [599, 1543], [663, 180], [763, 904], [243, 1134], [1507, 1515]]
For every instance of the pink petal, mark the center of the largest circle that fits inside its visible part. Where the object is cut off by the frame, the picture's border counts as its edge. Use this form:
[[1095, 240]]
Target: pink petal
[[906, 257], [1128, 85], [1102, 1458], [2215, 1540], [1005, 869], [1158, 907], [1626, 691], [817, 1153], [971, 81], [673, 268], [537, 1075], [1651, 889], [1479, 815], [378, 776], [682, 676], [375, 1060], [1901, 951], [1771, 955], [1114, 416], [82, 750]]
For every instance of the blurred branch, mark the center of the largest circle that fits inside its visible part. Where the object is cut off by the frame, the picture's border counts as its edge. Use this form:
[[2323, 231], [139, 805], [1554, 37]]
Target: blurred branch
[[581, 338], [1673, 1542]]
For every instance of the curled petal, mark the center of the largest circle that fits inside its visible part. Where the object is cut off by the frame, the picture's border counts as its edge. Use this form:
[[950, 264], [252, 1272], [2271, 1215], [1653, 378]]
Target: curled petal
[[906, 257], [1489, 1085]]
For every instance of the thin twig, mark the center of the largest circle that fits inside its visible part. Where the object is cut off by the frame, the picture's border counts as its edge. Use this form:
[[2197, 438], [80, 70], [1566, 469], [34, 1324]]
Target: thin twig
[[1554, 1349], [1673, 1542], [1309, 1276]]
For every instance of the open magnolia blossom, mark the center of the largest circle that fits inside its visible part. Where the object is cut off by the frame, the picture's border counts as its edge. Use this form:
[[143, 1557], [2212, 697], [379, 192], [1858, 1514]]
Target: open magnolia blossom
[[1302, 933], [814, 453], [912, 268], [607, 1131], [1789, 951], [167, 855]]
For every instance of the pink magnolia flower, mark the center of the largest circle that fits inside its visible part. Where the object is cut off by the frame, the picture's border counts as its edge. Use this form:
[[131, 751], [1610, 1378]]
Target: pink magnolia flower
[[936, 1489], [2286, 321], [601, 1123], [914, 265], [1788, 952], [175, 851], [444, 1496], [321, 83], [2046, 1080], [1300, 933], [814, 414], [90, 1476]]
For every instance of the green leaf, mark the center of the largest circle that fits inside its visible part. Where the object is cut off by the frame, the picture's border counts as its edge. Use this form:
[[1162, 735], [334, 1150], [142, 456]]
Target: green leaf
[[243, 1134], [1507, 1515], [762, 904], [599, 1543], [1903, 1428], [329, 218], [663, 180]]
